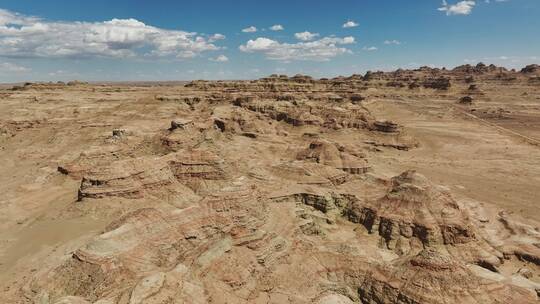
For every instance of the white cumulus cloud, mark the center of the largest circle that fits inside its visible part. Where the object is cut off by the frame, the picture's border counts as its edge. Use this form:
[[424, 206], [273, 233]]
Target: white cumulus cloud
[[277, 27], [27, 36], [220, 58], [460, 8], [319, 50], [250, 29], [216, 37], [306, 36], [350, 24], [394, 42], [370, 48]]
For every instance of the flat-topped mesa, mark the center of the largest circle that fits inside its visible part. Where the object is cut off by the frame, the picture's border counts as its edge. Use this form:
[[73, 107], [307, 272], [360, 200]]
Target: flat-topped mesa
[[385, 126], [354, 165], [132, 178], [125, 178], [196, 164], [328, 154], [309, 173]]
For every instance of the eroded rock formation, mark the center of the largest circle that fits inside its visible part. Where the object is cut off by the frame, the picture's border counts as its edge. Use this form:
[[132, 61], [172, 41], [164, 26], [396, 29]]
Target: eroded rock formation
[[275, 191]]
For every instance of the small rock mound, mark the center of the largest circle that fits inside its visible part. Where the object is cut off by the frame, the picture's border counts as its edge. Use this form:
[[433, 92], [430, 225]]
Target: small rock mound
[[181, 124], [466, 100]]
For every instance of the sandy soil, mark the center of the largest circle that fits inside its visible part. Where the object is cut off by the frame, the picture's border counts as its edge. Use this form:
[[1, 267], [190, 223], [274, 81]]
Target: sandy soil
[[486, 153]]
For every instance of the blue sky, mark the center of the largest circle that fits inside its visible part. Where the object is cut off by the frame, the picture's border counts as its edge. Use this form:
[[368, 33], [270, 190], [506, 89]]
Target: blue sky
[[181, 40]]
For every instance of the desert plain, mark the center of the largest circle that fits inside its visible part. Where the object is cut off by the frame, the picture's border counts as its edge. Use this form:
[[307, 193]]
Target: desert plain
[[412, 186]]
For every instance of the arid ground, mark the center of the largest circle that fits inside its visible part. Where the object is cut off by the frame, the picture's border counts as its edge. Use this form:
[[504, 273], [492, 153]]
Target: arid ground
[[413, 186]]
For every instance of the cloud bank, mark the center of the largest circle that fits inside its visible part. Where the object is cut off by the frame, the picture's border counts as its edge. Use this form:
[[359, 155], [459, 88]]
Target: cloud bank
[[250, 29], [350, 24], [277, 27], [319, 50], [27, 36], [306, 36], [220, 58], [460, 8]]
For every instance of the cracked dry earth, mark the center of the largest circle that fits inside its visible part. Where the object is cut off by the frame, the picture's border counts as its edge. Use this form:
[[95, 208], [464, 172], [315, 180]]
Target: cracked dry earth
[[383, 188]]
